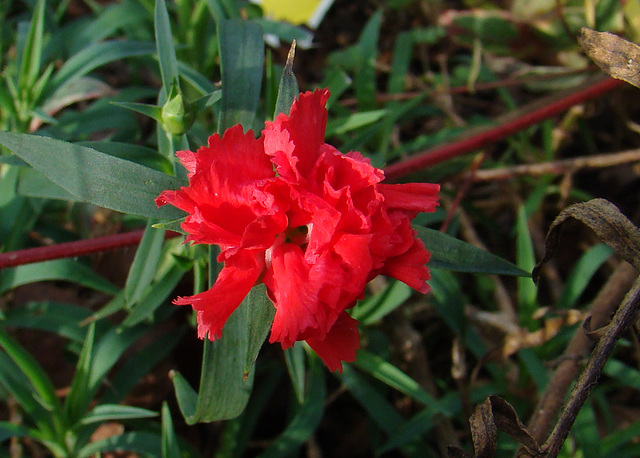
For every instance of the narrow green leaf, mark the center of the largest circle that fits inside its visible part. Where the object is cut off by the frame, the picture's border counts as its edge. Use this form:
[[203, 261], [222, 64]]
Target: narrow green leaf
[[450, 253], [36, 375], [170, 448], [365, 80], [115, 412], [59, 318], [134, 153], [241, 61], [16, 383], [288, 89], [186, 396], [377, 306], [9, 430], [527, 291], [32, 53], [355, 121], [306, 419], [155, 294], [108, 351], [175, 226], [139, 364], [166, 50], [95, 177], [294, 357], [395, 378], [582, 273], [260, 312], [96, 55], [224, 386], [59, 269], [145, 264], [378, 408], [152, 111], [80, 394], [147, 444], [34, 183]]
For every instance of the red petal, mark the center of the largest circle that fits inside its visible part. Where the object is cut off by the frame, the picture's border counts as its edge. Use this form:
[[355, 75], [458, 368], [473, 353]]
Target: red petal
[[293, 293], [340, 343], [214, 306], [410, 267], [294, 141]]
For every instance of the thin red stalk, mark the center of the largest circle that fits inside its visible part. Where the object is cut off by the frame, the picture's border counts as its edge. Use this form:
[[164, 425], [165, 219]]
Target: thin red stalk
[[443, 153], [394, 171], [71, 249]]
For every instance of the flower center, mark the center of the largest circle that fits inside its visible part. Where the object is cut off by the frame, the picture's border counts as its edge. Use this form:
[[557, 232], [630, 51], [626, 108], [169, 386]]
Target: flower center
[[298, 235]]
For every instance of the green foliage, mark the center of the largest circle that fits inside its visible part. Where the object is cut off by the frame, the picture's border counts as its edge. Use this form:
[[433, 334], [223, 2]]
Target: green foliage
[[74, 143]]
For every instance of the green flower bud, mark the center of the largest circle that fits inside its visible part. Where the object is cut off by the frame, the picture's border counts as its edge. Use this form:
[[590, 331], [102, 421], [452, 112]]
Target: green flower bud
[[177, 118]]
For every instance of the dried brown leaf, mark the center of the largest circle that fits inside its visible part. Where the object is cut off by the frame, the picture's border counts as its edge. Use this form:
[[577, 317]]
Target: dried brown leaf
[[616, 56], [492, 415], [609, 224]]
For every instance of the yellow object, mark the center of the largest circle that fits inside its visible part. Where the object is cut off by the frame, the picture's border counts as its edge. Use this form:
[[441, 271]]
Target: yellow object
[[298, 12]]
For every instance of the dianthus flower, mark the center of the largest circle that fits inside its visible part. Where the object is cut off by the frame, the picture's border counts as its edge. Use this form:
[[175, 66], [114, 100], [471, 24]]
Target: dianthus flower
[[313, 224]]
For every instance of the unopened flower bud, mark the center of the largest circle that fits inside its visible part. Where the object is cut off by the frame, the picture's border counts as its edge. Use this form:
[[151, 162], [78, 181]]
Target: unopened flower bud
[[177, 118]]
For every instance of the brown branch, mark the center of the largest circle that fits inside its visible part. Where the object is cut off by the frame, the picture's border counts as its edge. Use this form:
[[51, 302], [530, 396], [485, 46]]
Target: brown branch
[[602, 307], [558, 167], [625, 316], [514, 122]]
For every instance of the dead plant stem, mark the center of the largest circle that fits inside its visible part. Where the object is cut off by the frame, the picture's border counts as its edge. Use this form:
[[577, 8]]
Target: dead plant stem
[[624, 317], [602, 307]]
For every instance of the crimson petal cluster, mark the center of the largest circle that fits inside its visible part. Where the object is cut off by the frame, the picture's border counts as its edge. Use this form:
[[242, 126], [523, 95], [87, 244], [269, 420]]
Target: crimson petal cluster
[[313, 224]]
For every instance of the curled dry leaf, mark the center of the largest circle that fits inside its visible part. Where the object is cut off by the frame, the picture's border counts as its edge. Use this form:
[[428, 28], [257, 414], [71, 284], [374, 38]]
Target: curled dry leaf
[[551, 326], [616, 56], [492, 415], [609, 224]]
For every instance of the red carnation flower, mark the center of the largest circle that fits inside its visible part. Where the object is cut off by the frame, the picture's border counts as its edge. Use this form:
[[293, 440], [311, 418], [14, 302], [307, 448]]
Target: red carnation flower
[[313, 224]]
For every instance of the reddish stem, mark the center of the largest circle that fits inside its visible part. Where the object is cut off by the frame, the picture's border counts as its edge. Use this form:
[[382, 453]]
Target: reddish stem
[[394, 171], [71, 249], [443, 153]]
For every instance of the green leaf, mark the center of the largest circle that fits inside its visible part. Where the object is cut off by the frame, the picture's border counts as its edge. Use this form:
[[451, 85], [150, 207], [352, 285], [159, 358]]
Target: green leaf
[[155, 294], [37, 377], [59, 318], [260, 312], [16, 383], [294, 357], [9, 430], [31, 55], [34, 183], [148, 444], [307, 417], [96, 55], [80, 393], [139, 364], [166, 50], [175, 226], [527, 291], [378, 408], [152, 111], [145, 264], [377, 306], [582, 273], [95, 177], [241, 61], [450, 253], [395, 378], [115, 412], [170, 448], [288, 89], [59, 269]]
